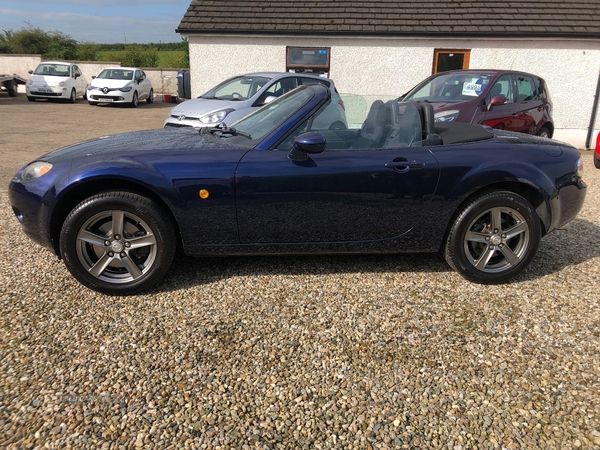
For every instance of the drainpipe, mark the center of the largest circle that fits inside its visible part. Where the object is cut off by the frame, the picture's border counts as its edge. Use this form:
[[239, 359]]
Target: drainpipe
[[593, 118]]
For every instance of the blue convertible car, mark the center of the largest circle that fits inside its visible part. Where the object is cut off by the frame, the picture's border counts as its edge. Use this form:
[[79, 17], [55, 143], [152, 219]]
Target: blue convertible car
[[115, 209]]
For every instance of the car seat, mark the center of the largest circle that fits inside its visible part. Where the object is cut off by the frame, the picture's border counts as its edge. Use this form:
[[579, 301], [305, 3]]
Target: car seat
[[373, 132]]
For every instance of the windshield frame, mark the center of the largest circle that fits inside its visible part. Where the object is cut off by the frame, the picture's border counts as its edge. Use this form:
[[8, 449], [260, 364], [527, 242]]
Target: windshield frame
[[274, 113], [211, 94], [38, 70], [438, 81]]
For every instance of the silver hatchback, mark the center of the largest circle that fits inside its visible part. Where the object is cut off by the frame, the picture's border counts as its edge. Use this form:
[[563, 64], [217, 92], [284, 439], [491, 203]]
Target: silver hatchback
[[239, 96]]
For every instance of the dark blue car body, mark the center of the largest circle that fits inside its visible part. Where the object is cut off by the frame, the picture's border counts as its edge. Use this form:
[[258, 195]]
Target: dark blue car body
[[262, 200]]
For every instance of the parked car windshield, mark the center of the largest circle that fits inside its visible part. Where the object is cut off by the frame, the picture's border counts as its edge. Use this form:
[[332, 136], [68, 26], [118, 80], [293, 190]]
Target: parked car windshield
[[56, 70], [238, 88], [453, 87], [115, 74], [253, 128]]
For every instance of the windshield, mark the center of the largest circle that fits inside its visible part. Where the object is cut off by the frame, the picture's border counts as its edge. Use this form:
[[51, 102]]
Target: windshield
[[56, 70], [253, 128], [238, 88], [116, 74], [453, 88]]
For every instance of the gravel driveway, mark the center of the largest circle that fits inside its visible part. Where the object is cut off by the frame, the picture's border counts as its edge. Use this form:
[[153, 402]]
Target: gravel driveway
[[365, 352]]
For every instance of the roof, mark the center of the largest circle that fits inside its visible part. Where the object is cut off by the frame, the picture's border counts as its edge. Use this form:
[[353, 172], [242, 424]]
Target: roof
[[430, 18]]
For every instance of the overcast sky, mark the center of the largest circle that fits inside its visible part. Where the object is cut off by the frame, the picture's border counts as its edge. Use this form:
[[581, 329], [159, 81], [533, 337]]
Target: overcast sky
[[101, 21]]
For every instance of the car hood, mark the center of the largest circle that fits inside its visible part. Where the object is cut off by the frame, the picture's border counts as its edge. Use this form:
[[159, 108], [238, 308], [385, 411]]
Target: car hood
[[200, 106], [47, 79], [100, 83], [137, 143]]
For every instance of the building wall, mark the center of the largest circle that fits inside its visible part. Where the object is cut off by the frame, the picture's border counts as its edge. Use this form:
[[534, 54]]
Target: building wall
[[387, 68]]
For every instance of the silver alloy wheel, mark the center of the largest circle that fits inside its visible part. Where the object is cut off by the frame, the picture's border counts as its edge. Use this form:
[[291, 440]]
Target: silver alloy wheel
[[497, 240], [116, 246]]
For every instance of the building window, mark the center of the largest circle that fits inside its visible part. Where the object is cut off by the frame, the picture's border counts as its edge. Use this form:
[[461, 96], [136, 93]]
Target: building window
[[308, 60], [444, 59]]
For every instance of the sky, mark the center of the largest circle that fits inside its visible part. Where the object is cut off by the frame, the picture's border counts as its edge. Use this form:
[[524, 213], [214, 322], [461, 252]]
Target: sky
[[100, 21]]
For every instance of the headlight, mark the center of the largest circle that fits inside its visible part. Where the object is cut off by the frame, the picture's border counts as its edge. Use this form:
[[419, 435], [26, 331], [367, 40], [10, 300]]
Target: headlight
[[215, 117], [62, 84], [446, 116], [579, 169], [29, 82], [90, 87], [125, 89], [35, 170]]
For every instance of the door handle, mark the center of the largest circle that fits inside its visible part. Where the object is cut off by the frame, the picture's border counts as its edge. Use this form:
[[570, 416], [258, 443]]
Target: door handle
[[403, 165]]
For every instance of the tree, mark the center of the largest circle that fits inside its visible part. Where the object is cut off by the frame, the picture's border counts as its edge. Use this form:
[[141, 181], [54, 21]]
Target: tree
[[35, 41]]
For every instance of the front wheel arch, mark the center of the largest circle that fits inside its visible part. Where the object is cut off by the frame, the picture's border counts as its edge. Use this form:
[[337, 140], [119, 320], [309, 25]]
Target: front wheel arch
[[117, 243], [88, 188]]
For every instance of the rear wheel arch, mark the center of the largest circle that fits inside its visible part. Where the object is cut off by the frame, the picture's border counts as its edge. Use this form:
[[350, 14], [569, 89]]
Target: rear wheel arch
[[73, 197], [527, 192]]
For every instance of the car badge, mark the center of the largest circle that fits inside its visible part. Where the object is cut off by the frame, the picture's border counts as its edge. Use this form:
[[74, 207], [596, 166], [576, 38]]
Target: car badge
[[180, 118], [105, 90]]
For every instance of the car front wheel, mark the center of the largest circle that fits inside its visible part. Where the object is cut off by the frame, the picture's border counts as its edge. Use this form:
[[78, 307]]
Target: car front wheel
[[134, 100], [493, 238], [73, 96], [118, 243]]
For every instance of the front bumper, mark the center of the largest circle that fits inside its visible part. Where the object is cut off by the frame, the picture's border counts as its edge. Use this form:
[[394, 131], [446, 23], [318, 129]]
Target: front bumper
[[44, 91], [112, 96]]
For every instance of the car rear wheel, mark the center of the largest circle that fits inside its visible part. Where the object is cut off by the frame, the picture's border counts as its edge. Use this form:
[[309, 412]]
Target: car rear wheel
[[544, 132], [118, 243], [150, 98], [134, 100], [493, 238], [11, 87]]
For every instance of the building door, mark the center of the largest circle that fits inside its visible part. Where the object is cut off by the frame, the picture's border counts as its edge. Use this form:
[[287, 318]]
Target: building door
[[444, 59]]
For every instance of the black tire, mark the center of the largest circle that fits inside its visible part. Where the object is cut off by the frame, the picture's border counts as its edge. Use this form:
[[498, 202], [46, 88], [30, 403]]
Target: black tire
[[73, 96], [31, 99], [11, 87], [118, 243], [150, 98], [493, 238], [134, 101], [596, 161], [544, 132], [93, 103]]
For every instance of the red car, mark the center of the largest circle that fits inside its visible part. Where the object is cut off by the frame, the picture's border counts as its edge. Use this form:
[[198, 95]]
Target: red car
[[503, 99]]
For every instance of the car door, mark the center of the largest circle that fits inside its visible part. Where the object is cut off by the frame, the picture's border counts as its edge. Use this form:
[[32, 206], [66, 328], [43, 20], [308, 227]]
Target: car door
[[140, 82], [335, 196], [502, 116], [79, 80], [531, 107]]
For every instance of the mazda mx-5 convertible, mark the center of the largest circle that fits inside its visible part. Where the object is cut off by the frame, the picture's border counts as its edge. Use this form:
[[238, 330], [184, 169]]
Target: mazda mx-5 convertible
[[115, 209]]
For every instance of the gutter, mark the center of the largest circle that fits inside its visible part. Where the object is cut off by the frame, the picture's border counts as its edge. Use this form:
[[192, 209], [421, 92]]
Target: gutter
[[593, 117]]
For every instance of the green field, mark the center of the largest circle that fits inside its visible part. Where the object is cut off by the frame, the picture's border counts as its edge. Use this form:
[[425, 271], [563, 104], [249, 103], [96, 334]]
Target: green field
[[166, 59]]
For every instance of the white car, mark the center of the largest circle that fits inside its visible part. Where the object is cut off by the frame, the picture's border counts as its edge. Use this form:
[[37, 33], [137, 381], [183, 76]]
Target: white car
[[122, 85], [56, 80], [239, 96]]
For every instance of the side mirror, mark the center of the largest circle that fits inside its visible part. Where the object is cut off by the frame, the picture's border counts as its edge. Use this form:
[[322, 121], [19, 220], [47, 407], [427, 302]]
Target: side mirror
[[497, 100], [30, 71], [76, 76], [312, 142], [93, 76], [269, 99]]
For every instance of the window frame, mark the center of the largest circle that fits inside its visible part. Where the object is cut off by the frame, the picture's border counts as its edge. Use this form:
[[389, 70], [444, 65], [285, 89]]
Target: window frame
[[442, 51]]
